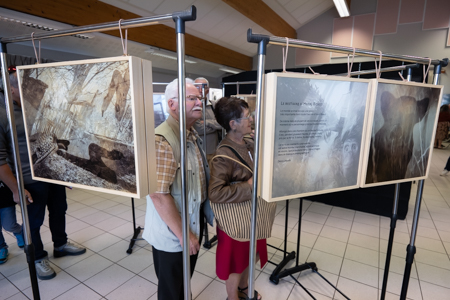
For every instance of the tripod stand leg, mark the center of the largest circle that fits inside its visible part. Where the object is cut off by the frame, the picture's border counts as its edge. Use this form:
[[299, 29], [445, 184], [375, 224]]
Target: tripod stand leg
[[391, 241], [136, 230], [29, 252], [209, 243], [411, 249]]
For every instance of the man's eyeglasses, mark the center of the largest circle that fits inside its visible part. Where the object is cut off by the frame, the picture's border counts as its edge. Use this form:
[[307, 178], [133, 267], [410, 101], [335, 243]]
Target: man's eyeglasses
[[191, 98]]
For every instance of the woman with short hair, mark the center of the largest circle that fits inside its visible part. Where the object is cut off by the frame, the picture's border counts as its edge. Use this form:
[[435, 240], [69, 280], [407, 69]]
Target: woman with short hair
[[230, 193]]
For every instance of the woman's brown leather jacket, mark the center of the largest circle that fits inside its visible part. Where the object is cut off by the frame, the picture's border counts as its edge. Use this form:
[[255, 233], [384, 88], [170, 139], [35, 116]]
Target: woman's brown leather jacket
[[228, 183]]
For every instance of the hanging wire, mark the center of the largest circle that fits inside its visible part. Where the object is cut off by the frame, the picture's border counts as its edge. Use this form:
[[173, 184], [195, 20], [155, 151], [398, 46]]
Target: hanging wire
[[350, 66], [285, 54], [38, 57], [378, 68], [425, 74], [124, 45]]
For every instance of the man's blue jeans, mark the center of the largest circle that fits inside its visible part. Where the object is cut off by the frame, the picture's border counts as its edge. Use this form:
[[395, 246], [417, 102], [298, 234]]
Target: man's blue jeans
[[9, 223]]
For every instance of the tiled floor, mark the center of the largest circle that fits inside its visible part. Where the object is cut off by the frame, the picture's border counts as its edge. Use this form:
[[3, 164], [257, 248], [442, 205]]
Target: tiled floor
[[349, 248]]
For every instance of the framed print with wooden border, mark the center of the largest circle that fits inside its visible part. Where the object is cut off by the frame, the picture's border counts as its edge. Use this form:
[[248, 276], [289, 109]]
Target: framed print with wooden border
[[401, 129], [250, 99], [313, 134], [90, 124]]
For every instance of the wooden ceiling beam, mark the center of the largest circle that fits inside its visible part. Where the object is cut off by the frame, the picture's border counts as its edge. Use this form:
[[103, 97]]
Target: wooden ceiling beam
[[260, 13], [86, 12]]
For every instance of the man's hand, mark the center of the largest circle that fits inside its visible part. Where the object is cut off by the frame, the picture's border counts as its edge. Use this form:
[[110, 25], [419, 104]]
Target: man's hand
[[194, 246], [250, 181], [28, 198], [165, 206]]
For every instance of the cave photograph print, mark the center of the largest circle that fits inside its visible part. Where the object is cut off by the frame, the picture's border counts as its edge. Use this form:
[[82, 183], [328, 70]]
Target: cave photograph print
[[81, 123], [404, 117]]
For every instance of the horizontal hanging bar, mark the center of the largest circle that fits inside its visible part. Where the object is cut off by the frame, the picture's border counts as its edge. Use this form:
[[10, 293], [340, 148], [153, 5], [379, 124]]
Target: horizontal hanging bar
[[388, 69], [354, 73], [166, 83], [281, 41], [274, 40], [187, 15], [238, 82]]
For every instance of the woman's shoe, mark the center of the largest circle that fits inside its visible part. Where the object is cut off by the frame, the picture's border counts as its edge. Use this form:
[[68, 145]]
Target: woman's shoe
[[444, 173], [257, 295], [241, 295]]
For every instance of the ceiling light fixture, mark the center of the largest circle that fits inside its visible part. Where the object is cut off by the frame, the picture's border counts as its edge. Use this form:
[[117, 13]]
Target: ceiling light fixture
[[343, 7], [229, 70], [41, 27]]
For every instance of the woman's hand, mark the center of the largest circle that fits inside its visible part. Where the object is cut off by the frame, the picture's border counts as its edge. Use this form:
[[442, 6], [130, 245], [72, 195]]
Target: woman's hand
[[250, 181]]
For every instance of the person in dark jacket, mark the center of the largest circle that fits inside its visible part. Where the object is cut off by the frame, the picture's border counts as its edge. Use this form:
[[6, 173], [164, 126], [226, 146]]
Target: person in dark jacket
[[447, 168], [442, 126]]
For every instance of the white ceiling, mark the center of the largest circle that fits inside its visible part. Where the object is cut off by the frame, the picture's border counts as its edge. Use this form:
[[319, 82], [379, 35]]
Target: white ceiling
[[219, 23], [216, 22]]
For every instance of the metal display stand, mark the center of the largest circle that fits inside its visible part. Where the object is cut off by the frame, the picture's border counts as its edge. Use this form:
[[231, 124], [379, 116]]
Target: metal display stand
[[209, 243], [136, 230], [392, 227], [179, 18], [262, 41], [411, 248], [279, 273], [237, 84]]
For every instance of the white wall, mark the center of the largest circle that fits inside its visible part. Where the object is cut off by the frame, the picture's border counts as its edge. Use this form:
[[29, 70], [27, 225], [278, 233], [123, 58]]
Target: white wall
[[409, 39]]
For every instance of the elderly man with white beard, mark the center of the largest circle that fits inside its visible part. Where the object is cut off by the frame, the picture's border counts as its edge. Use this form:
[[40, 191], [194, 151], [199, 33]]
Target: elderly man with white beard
[[163, 226]]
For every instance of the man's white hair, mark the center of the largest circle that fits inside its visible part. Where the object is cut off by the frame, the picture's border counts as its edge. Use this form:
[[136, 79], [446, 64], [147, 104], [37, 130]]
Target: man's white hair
[[203, 79], [172, 89]]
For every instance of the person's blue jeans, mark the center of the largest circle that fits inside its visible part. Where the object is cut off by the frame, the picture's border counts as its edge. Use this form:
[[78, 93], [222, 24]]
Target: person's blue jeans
[[9, 223], [54, 197]]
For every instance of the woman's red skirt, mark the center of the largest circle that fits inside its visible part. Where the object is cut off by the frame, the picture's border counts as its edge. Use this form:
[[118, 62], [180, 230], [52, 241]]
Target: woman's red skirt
[[233, 256]]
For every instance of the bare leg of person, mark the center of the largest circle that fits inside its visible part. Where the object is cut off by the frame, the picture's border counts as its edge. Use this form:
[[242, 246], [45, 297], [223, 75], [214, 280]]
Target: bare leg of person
[[243, 283], [232, 284]]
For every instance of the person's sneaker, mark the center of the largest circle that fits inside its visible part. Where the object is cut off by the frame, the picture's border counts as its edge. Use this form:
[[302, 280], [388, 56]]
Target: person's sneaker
[[444, 173], [3, 255], [68, 249], [20, 241], [43, 270]]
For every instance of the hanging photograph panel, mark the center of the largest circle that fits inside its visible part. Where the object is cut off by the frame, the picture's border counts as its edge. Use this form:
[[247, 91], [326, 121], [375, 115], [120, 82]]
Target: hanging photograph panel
[[313, 131], [402, 127], [251, 101], [85, 124]]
